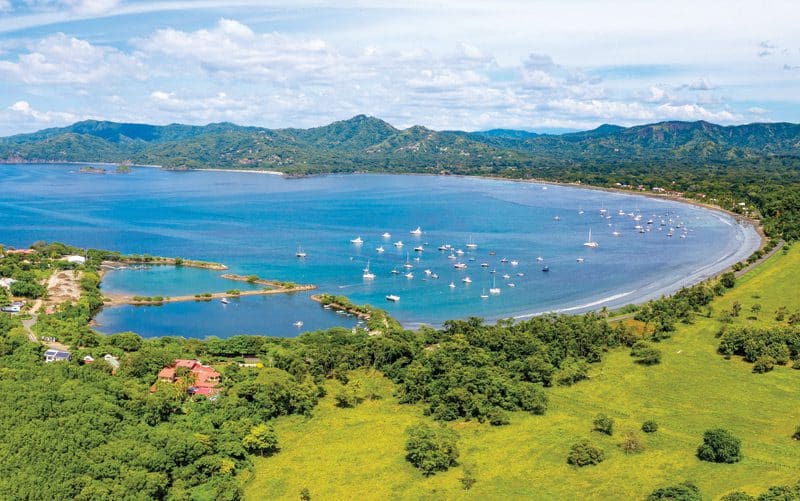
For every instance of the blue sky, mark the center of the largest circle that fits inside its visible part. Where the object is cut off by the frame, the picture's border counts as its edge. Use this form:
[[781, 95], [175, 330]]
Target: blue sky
[[539, 65]]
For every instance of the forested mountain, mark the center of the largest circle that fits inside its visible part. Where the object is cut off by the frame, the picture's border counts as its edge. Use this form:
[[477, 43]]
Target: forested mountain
[[366, 143]]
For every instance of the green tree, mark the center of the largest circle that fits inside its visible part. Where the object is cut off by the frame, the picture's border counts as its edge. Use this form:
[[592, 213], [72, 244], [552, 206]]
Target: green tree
[[737, 496], [261, 440], [649, 426], [685, 491], [728, 280], [720, 446], [583, 453], [431, 449]]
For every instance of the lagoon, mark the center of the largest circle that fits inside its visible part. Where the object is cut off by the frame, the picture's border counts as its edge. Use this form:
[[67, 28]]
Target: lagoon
[[255, 223]]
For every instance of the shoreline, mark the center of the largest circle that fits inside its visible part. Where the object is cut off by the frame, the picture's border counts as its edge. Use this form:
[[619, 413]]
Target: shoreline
[[126, 299]]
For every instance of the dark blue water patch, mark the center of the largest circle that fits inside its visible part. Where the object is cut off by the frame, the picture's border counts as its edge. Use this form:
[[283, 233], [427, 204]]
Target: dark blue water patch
[[257, 315]]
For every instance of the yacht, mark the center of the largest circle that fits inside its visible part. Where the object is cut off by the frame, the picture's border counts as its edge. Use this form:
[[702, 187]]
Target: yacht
[[616, 233], [514, 263], [546, 268], [387, 235], [539, 259], [434, 276], [471, 245], [398, 244], [452, 285], [409, 275], [451, 256], [520, 274], [298, 324], [428, 272], [460, 252], [416, 232], [557, 218], [379, 249], [444, 247], [466, 280], [506, 275], [408, 265], [580, 260], [580, 211], [418, 248], [484, 265], [393, 298], [591, 243], [224, 300], [357, 241], [460, 266], [395, 271]]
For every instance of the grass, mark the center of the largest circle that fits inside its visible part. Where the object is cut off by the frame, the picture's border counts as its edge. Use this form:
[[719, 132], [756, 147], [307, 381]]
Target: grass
[[358, 453]]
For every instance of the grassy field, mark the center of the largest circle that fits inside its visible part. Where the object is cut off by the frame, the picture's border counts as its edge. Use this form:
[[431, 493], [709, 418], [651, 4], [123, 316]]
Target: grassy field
[[358, 453]]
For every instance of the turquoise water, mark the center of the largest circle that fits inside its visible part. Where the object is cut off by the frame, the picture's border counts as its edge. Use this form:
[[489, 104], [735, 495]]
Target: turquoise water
[[254, 223]]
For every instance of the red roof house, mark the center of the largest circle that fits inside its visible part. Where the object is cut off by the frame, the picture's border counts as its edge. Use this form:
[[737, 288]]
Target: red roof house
[[205, 382]]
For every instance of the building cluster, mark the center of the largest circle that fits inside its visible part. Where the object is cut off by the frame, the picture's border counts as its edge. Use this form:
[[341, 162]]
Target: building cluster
[[204, 380]]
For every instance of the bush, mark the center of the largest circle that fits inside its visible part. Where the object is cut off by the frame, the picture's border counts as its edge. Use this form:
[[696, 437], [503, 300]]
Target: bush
[[498, 417], [685, 491], [796, 435], [431, 449], [649, 426], [583, 453], [720, 446], [261, 440], [645, 354], [728, 280], [632, 444], [348, 396], [604, 424], [737, 496], [763, 364]]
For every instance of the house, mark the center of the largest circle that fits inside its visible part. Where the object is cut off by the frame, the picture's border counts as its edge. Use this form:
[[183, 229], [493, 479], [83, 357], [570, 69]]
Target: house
[[205, 377], [252, 362], [24, 252], [53, 355], [112, 361], [88, 359], [75, 259], [6, 282]]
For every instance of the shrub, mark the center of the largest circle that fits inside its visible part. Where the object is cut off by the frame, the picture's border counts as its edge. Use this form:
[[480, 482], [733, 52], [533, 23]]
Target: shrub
[[604, 424], [720, 446], [728, 280], [645, 354], [583, 453], [796, 434], [737, 496], [261, 440], [468, 480], [431, 449], [763, 364], [649, 426], [498, 417], [631, 444], [685, 491], [348, 396]]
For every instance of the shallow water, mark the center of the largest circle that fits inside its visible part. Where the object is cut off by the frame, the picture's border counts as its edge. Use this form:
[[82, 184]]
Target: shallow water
[[255, 223]]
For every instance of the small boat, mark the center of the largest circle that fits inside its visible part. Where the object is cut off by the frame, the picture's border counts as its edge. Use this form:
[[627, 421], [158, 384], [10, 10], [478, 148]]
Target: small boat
[[395, 271], [428, 272], [379, 249], [387, 235], [492, 253], [484, 265], [471, 244], [616, 233], [357, 241], [408, 265], [452, 285], [418, 248], [300, 253], [580, 260], [298, 324], [591, 243], [506, 275], [444, 247], [416, 232], [580, 211], [434, 275], [511, 284], [460, 266], [451, 256], [224, 300], [514, 263], [409, 275], [539, 259], [484, 295], [393, 298], [504, 260], [466, 280], [546, 269], [460, 252], [471, 259], [398, 244], [649, 221], [493, 272], [520, 274]]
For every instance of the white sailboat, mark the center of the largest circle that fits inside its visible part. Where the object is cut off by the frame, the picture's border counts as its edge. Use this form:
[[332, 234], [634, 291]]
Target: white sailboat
[[495, 290], [387, 235], [484, 295], [416, 232], [379, 249], [300, 252], [471, 245], [357, 241], [408, 265], [368, 275], [591, 243]]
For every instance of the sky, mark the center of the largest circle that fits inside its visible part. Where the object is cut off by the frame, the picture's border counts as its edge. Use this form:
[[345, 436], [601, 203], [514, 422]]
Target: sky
[[539, 65]]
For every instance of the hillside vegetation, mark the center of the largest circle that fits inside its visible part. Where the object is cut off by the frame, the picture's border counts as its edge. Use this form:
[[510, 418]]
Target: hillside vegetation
[[693, 389]]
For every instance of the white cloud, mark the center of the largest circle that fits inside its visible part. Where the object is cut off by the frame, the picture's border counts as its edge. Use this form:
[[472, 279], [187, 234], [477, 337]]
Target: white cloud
[[5, 5], [202, 109], [25, 109], [755, 110], [60, 58], [702, 84]]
